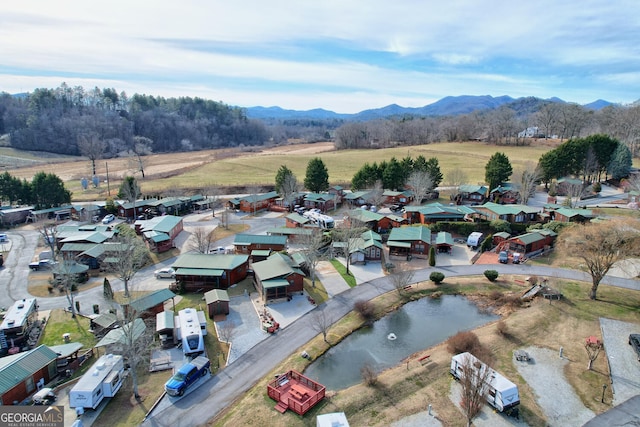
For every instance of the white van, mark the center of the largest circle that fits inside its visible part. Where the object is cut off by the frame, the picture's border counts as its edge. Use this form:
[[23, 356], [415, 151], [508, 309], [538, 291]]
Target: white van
[[474, 239]]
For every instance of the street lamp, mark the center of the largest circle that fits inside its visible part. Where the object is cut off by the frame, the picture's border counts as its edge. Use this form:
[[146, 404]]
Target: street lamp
[[604, 387]]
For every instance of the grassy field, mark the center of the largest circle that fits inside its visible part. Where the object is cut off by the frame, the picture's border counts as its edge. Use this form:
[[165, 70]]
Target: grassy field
[[407, 388]]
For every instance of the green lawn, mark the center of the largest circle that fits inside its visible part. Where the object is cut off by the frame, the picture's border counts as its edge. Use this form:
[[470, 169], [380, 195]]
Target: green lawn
[[349, 278], [60, 322]]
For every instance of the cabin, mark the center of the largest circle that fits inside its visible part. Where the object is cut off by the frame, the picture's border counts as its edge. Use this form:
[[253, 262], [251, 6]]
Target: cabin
[[505, 194], [357, 198], [471, 194], [146, 304], [247, 243], [323, 201], [405, 241], [16, 326], [444, 242], [531, 243], [217, 301], [115, 340], [102, 324], [160, 232], [24, 373], [500, 393], [132, 210], [569, 186], [253, 202], [295, 220], [563, 214], [276, 279], [372, 220], [514, 214], [436, 212], [293, 391], [210, 271]]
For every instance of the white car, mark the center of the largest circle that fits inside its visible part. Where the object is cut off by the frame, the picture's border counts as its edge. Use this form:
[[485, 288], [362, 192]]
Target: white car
[[109, 218], [165, 273]]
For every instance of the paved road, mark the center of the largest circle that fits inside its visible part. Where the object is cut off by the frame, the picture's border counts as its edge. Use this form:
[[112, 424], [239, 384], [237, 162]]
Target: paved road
[[234, 380]]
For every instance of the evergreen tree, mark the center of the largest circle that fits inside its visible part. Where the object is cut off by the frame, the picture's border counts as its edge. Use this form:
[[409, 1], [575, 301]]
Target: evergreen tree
[[432, 257], [497, 170], [281, 176], [317, 176], [621, 162], [433, 168], [47, 190], [107, 291]]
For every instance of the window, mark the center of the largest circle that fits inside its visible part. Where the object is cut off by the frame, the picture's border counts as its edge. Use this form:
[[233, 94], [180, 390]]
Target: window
[[29, 384]]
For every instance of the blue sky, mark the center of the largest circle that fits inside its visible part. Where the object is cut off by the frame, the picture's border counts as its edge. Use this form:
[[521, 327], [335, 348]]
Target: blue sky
[[344, 56]]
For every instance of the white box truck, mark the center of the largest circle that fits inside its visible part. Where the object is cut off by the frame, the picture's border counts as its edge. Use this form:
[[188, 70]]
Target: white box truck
[[103, 379], [499, 392], [474, 240]]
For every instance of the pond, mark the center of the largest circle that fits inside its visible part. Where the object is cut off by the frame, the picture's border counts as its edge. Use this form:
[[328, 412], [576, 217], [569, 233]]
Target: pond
[[414, 327]]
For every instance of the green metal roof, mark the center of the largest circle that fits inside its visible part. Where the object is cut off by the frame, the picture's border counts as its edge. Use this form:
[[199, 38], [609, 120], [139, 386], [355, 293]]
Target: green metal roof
[[364, 215], [371, 235], [411, 234], [209, 261], [499, 209], [570, 213], [216, 295], [165, 320], [15, 369], [319, 197], [261, 252], [152, 299], [444, 238], [469, 188], [399, 244], [117, 336], [271, 268], [290, 231], [356, 195], [66, 350], [162, 224], [275, 283], [208, 272], [298, 218], [105, 320], [529, 238], [262, 239], [502, 234]]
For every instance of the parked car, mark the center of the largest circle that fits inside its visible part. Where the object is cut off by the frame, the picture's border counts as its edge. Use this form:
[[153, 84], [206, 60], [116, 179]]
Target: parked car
[[109, 218], [503, 257], [165, 273], [634, 341], [45, 396], [187, 375]]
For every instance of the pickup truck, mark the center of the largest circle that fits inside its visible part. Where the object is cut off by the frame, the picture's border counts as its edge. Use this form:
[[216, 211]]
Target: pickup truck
[[187, 375]]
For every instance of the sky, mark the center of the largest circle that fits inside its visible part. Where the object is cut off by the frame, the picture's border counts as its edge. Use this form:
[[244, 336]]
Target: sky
[[345, 56]]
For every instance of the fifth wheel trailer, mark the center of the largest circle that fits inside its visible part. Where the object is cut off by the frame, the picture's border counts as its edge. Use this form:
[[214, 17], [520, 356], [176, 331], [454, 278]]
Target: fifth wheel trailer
[[103, 379], [500, 393]]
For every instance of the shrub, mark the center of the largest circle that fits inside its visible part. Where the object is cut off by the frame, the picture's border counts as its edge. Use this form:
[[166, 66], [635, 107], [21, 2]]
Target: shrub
[[365, 309], [596, 187], [463, 341], [436, 277], [369, 376], [502, 328], [486, 243], [500, 225], [492, 275], [495, 295], [432, 257]]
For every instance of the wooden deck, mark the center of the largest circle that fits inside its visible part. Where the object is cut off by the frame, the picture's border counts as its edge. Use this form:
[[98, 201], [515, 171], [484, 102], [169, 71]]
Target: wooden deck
[[296, 392]]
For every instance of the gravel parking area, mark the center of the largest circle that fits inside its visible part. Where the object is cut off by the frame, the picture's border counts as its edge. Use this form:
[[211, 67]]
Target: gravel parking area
[[556, 397], [488, 416], [623, 362], [246, 330]]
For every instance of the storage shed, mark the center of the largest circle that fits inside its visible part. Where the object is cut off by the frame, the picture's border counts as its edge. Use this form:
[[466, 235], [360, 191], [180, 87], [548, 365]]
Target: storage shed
[[217, 301]]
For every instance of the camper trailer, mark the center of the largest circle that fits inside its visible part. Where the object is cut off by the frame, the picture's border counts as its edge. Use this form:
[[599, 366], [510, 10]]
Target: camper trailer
[[17, 324], [103, 379], [499, 392], [318, 218], [474, 240], [191, 329]]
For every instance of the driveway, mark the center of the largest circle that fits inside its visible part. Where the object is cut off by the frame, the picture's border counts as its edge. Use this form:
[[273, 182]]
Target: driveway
[[623, 362]]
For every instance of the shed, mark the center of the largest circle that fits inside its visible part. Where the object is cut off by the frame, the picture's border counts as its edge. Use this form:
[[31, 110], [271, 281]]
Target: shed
[[217, 301], [165, 326], [102, 324], [115, 340], [444, 242]]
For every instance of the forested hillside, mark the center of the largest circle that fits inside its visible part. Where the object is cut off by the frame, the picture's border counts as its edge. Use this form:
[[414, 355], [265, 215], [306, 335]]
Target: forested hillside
[[105, 123]]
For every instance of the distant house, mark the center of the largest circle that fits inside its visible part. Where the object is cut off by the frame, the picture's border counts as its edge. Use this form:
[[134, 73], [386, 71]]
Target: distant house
[[253, 202], [24, 373], [505, 194], [371, 220], [294, 220], [531, 132], [436, 212], [276, 279], [357, 198], [530, 243], [563, 214], [205, 271], [409, 240], [566, 186], [132, 210], [514, 214], [323, 201], [148, 303], [247, 243], [473, 194], [367, 247], [397, 197]]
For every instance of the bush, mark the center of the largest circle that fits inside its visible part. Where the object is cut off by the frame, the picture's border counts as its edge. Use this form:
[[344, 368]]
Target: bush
[[502, 328], [500, 225], [369, 376], [436, 277], [463, 341], [495, 295], [432, 257], [486, 243], [365, 309], [492, 275], [596, 187]]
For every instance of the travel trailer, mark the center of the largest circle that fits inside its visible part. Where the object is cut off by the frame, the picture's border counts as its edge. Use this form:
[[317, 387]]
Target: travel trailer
[[17, 324], [500, 393], [103, 379], [191, 329], [474, 240]]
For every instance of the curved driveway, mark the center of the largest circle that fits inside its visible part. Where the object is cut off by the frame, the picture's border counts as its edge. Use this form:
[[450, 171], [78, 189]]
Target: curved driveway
[[234, 380]]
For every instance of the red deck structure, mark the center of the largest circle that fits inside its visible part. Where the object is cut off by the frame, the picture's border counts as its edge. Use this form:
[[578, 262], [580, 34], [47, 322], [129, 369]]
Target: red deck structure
[[296, 392]]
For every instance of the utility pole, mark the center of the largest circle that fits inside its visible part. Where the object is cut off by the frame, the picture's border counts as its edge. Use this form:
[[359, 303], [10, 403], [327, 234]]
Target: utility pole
[[108, 189]]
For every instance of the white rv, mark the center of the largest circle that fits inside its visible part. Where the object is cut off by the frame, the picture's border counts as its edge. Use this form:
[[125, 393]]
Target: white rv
[[499, 392], [17, 323], [103, 379], [318, 218], [474, 240], [191, 329]]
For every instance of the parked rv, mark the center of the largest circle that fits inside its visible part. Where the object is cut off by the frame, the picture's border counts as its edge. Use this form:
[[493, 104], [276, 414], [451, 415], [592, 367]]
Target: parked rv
[[103, 379], [474, 240], [191, 328], [187, 375], [500, 393]]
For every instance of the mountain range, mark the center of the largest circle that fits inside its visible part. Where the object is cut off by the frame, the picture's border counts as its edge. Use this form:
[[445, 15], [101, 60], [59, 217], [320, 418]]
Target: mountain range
[[448, 106]]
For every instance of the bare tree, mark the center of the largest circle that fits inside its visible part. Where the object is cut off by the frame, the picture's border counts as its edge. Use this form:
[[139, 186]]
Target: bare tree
[[574, 191], [593, 350], [401, 279], [201, 240], [601, 245], [526, 179], [141, 147], [456, 177], [320, 322], [313, 245], [226, 330], [421, 183], [67, 279], [375, 196], [224, 218], [49, 233], [290, 187], [473, 381], [91, 146], [548, 118], [127, 255], [130, 191], [349, 235]]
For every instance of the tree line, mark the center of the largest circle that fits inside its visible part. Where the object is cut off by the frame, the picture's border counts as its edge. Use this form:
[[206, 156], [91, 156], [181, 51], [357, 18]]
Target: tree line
[[105, 123], [45, 190]]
